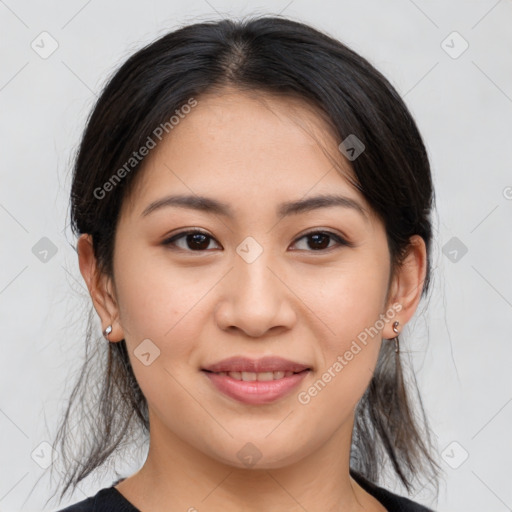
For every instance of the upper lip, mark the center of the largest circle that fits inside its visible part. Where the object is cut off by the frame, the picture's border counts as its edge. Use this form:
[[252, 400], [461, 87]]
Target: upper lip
[[265, 364]]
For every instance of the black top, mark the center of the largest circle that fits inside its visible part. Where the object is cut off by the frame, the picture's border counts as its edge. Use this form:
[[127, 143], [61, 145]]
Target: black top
[[109, 499]]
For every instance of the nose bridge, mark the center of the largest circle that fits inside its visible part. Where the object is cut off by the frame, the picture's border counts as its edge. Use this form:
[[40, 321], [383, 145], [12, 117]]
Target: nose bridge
[[255, 296], [256, 283]]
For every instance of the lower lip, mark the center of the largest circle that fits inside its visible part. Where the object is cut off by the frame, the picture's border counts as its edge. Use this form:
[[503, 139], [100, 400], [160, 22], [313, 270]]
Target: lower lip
[[255, 392]]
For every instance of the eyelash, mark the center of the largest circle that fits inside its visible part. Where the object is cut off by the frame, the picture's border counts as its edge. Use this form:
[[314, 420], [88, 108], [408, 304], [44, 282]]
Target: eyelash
[[340, 240]]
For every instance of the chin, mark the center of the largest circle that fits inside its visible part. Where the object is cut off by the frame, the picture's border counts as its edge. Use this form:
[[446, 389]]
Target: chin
[[260, 456]]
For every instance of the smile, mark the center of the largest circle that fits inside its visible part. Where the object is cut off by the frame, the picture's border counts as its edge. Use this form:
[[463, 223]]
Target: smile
[[255, 388]]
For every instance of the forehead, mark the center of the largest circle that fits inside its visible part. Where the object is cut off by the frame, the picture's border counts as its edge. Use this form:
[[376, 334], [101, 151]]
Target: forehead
[[246, 145]]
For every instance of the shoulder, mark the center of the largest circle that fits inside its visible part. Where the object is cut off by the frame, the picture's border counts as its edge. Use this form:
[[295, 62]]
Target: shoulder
[[392, 502], [107, 499]]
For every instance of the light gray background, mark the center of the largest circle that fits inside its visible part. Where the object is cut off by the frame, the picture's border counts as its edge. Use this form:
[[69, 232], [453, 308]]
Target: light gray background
[[460, 340]]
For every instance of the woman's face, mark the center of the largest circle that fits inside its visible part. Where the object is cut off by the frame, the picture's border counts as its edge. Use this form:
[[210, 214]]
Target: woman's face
[[256, 284]]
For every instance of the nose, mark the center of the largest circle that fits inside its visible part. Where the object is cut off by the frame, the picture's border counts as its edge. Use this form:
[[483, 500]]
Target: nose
[[255, 298]]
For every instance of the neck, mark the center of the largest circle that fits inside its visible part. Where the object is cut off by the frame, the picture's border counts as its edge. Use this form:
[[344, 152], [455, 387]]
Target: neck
[[178, 476]]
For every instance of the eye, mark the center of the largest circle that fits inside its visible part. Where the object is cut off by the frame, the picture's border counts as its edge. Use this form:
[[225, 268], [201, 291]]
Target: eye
[[320, 240], [195, 240], [199, 241]]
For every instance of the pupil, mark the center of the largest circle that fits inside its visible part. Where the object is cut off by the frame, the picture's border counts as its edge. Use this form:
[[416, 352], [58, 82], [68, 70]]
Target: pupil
[[315, 237], [198, 237]]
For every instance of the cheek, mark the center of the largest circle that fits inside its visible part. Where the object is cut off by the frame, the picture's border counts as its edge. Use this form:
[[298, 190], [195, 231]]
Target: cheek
[[349, 306], [348, 359], [158, 301], [161, 304]]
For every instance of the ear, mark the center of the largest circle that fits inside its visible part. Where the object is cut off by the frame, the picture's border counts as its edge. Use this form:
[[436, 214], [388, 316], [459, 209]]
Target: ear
[[407, 285], [99, 286]]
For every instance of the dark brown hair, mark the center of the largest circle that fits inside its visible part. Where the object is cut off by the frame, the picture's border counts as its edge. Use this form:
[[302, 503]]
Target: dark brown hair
[[268, 54]]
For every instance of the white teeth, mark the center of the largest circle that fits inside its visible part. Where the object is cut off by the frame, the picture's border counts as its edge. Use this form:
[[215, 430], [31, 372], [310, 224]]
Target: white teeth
[[268, 376], [251, 376]]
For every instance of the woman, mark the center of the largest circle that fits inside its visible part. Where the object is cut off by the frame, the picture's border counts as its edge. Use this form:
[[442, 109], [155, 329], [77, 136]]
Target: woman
[[253, 202]]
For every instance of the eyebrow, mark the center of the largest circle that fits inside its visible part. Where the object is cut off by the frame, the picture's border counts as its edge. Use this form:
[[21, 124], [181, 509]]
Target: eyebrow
[[210, 205]]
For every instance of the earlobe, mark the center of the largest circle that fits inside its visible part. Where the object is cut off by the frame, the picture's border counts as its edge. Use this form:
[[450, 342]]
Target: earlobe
[[98, 284], [408, 283]]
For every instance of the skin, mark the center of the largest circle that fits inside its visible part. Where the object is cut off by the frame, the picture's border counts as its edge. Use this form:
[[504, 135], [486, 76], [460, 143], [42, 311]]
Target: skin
[[252, 152]]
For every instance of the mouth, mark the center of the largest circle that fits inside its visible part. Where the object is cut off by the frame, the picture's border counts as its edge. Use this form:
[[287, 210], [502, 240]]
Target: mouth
[[258, 376], [255, 388], [264, 365]]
